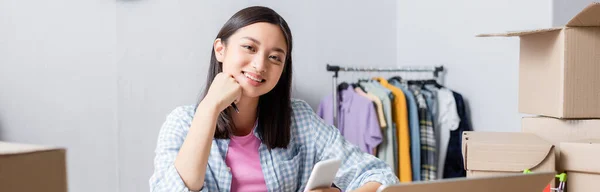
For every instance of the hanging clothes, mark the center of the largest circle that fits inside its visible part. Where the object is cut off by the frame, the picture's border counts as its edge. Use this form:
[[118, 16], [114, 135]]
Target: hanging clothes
[[377, 103], [431, 109], [454, 166], [378, 108], [400, 117], [413, 124], [420, 125], [428, 143], [447, 120], [385, 151], [431, 97], [357, 119], [394, 131]]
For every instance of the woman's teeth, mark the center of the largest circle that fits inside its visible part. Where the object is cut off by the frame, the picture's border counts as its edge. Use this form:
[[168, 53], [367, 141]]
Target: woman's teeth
[[253, 78]]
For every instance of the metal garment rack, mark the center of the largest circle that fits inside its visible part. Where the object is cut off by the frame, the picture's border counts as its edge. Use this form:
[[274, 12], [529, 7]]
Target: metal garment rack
[[336, 69]]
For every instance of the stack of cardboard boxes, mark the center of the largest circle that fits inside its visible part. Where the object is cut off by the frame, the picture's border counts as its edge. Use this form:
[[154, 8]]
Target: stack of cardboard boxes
[[559, 83]]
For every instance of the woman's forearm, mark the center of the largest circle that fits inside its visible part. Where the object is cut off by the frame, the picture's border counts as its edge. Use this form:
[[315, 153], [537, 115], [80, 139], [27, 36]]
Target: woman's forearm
[[193, 155], [368, 187]]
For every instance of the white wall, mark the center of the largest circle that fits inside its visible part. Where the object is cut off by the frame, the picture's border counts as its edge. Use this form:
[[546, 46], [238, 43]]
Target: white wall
[[57, 84], [164, 48], [564, 10], [483, 70]]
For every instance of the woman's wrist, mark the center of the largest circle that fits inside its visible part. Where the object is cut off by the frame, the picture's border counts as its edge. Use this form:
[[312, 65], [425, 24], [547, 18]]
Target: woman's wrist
[[208, 107]]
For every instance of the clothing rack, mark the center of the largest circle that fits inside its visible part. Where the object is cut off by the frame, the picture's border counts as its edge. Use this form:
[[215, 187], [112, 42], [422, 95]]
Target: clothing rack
[[335, 69]]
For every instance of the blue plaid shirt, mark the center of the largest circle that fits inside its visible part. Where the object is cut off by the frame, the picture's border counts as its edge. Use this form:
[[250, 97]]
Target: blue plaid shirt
[[284, 169]]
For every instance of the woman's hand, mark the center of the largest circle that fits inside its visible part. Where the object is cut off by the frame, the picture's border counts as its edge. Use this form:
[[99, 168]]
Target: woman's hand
[[329, 189], [369, 186], [223, 91]]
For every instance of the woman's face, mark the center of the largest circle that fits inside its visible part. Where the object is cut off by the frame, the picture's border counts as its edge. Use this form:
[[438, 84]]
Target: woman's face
[[255, 56]]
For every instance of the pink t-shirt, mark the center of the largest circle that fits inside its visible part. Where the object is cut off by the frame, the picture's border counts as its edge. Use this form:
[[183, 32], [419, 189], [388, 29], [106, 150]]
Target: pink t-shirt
[[244, 163]]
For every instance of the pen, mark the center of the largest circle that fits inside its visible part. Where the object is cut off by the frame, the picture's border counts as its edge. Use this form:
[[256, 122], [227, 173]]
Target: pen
[[235, 107]]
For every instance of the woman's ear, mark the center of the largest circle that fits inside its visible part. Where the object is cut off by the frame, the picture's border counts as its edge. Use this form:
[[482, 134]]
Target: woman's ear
[[219, 49]]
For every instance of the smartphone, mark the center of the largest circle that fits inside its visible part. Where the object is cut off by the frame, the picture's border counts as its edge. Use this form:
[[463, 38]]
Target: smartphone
[[323, 174]]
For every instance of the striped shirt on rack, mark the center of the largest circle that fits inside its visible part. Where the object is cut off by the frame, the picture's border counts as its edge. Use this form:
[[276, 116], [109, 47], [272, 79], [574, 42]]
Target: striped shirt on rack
[[428, 144]]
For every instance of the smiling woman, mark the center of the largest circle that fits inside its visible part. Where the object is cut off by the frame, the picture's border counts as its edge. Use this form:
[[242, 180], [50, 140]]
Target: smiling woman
[[274, 141], [253, 56]]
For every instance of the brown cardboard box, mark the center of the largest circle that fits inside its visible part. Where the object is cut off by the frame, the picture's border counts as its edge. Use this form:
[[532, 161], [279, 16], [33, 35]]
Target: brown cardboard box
[[498, 153], [580, 160], [32, 168], [534, 182], [556, 131], [559, 67]]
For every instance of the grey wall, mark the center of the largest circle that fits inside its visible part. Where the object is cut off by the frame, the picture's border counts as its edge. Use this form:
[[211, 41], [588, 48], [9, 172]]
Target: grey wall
[[99, 78], [58, 83], [484, 70], [564, 10]]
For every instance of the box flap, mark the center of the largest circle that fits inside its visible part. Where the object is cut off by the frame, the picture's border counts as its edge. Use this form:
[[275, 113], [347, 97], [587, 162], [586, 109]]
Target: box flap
[[18, 148], [534, 182], [555, 131], [588, 17], [519, 33], [500, 151], [581, 156]]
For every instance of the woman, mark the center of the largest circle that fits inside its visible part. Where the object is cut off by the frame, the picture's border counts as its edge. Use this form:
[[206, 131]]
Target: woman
[[273, 141]]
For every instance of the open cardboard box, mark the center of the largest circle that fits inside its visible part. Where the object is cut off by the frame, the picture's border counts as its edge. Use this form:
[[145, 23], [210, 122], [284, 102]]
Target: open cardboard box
[[559, 67], [534, 182], [580, 160], [556, 130], [501, 153], [26, 167]]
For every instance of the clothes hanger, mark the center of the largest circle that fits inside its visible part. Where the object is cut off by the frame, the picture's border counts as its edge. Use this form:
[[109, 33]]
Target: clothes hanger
[[356, 83], [397, 78], [418, 83], [414, 82], [433, 82], [343, 86]]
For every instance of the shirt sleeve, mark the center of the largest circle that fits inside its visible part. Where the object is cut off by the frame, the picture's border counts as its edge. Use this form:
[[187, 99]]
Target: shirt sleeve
[[373, 135], [320, 110], [325, 110], [357, 167], [170, 139], [448, 117]]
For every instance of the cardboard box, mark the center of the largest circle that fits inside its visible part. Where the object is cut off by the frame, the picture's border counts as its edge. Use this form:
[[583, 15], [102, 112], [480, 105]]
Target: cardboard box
[[559, 67], [556, 131], [534, 182], [580, 160], [32, 168], [498, 153]]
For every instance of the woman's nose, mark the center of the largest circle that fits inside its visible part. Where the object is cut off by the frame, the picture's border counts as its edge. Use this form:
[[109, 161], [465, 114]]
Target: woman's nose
[[259, 64]]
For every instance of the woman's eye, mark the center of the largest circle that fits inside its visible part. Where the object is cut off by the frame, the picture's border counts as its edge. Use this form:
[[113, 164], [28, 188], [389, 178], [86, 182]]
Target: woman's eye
[[275, 58], [248, 47]]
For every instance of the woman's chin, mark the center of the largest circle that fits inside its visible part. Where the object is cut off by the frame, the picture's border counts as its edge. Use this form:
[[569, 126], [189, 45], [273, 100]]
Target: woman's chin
[[252, 93]]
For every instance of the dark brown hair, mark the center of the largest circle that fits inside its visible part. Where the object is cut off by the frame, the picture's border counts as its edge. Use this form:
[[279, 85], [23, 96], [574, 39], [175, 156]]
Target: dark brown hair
[[274, 108]]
